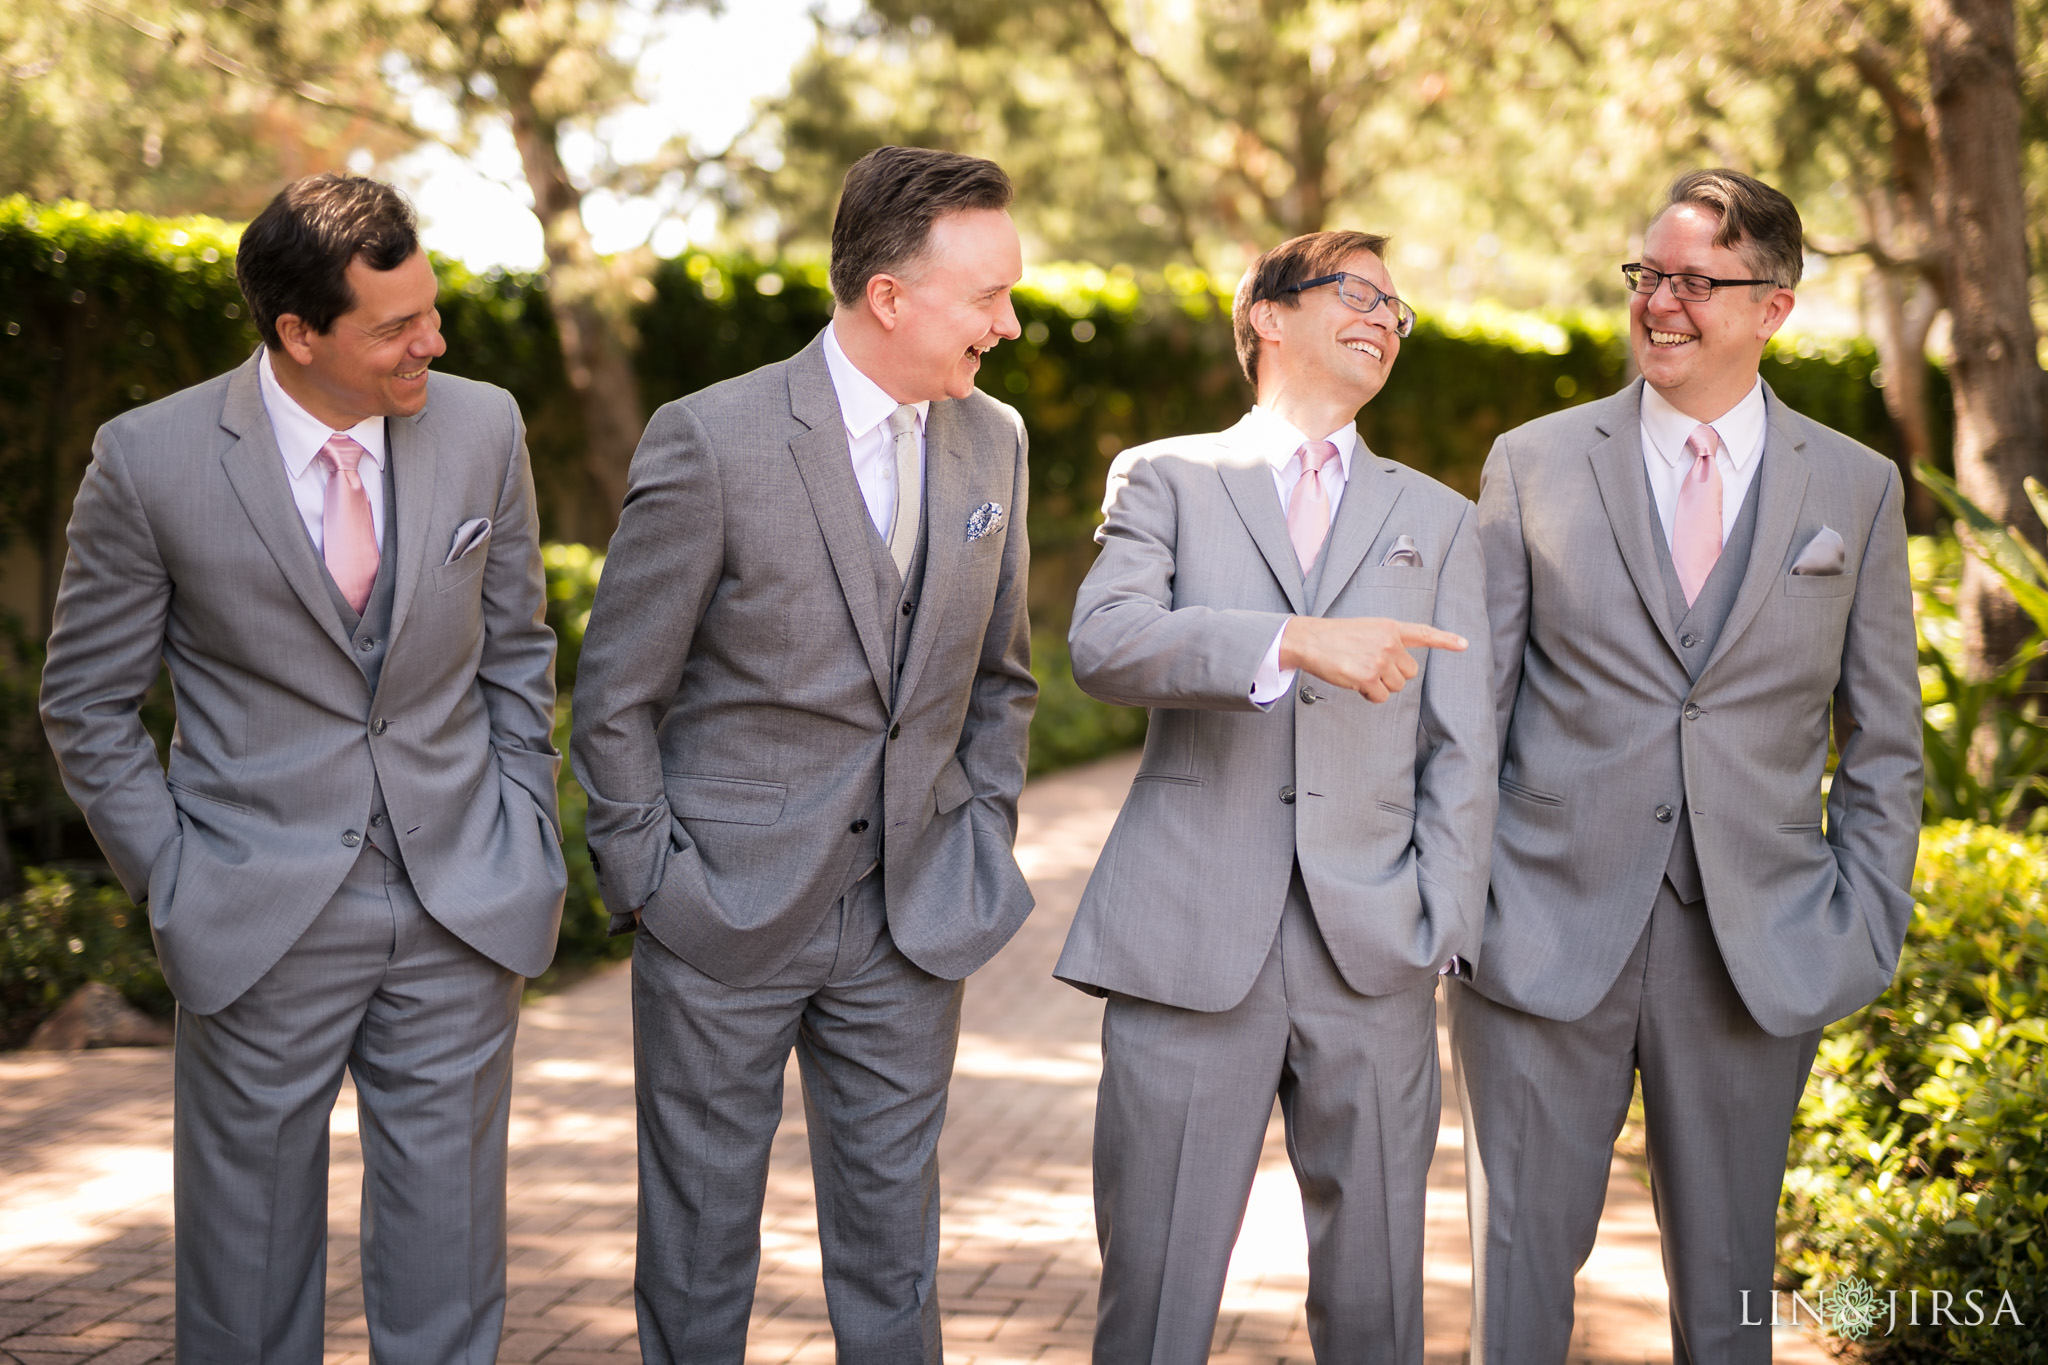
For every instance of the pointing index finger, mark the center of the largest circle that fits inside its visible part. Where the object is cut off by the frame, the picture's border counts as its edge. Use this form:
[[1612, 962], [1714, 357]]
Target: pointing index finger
[[1429, 637]]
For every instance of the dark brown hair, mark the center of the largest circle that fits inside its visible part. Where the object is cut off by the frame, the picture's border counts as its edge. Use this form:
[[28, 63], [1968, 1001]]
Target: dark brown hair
[[295, 255], [1291, 262], [1761, 224], [890, 200]]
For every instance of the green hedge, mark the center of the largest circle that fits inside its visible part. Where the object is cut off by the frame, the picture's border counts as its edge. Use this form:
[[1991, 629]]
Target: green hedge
[[1920, 1157], [65, 928]]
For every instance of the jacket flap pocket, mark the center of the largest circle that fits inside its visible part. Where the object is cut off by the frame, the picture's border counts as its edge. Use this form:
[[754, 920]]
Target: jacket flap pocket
[[734, 800], [952, 790], [1819, 585]]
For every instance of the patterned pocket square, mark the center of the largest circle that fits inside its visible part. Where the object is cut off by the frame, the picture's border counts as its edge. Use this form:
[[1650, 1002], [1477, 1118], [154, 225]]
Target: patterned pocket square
[[1402, 554], [1824, 556], [985, 520]]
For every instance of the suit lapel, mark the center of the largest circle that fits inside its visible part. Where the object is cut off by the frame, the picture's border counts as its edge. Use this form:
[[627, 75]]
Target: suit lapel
[[1625, 493], [1249, 481], [946, 466], [1781, 488], [256, 471], [1369, 495], [827, 471], [411, 463]]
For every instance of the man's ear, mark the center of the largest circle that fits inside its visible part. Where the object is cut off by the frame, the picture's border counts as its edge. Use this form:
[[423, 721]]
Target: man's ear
[[884, 297], [296, 338], [1266, 319], [1774, 317]]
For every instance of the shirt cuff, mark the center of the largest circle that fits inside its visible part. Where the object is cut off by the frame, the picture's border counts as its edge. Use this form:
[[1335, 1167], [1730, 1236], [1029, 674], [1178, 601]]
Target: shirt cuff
[[1271, 682]]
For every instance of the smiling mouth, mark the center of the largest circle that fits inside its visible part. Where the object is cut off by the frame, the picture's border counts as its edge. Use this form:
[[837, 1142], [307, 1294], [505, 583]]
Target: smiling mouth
[[410, 375], [1366, 346], [1659, 338], [975, 353]]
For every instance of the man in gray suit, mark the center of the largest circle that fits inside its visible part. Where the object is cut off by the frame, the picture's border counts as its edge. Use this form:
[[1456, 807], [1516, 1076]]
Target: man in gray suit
[[1687, 582], [353, 859], [801, 715], [1305, 844]]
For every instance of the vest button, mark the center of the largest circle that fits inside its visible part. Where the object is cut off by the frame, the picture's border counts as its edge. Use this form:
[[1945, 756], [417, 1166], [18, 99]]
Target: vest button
[[1688, 639], [1310, 696], [858, 827], [376, 822], [1287, 796], [350, 838], [366, 644], [895, 730], [1692, 710], [1663, 815], [380, 726], [909, 607]]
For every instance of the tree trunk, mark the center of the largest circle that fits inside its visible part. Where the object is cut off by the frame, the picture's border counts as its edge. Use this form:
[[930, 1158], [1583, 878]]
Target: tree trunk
[[1980, 210], [589, 318], [1904, 307]]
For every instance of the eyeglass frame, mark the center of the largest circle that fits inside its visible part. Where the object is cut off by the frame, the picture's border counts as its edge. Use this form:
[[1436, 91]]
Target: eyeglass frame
[[1674, 275], [1404, 312]]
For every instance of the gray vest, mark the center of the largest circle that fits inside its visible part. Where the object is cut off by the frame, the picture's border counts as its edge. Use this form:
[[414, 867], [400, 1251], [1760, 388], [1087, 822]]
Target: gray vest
[[896, 608], [368, 639], [1698, 628]]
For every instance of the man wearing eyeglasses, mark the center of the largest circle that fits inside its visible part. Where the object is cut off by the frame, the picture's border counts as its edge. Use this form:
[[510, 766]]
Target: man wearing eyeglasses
[[1305, 844], [1689, 584]]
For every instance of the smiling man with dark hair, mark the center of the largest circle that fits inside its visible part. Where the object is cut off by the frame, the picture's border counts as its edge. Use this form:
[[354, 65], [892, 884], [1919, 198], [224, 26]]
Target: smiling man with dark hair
[[801, 713], [1690, 586]]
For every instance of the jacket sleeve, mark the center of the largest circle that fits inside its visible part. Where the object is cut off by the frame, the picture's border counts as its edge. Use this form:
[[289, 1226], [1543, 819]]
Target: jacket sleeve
[[996, 737], [106, 644], [517, 670], [1457, 784], [1130, 645], [1507, 584], [659, 574], [1874, 801]]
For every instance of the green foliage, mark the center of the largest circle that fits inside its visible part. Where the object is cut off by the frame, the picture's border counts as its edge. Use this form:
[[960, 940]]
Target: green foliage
[[64, 930], [1920, 1156], [1986, 736], [585, 938]]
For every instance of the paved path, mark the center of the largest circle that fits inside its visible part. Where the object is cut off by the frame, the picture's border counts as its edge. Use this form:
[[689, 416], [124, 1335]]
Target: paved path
[[85, 1205]]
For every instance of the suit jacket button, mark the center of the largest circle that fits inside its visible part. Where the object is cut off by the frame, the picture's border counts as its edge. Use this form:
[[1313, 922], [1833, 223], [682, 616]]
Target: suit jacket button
[[1692, 710], [1688, 639], [1287, 796], [1663, 815], [381, 726], [1310, 696], [858, 827], [350, 838], [895, 730]]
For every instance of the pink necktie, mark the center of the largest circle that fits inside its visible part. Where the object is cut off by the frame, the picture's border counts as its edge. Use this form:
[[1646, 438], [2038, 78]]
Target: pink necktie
[[1308, 509], [1696, 532], [348, 536]]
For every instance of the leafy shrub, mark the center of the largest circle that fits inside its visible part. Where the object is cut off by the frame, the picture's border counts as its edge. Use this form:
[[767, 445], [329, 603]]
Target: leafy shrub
[[585, 938], [64, 930], [1919, 1160], [1070, 726]]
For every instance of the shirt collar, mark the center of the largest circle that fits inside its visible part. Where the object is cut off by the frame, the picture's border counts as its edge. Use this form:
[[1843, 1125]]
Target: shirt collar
[[1741, 428], [1275, 438], [863, 404], [300, 435]]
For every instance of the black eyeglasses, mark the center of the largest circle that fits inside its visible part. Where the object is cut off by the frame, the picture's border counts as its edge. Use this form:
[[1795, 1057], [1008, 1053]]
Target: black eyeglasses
[[1691, 288], [1361, 295]]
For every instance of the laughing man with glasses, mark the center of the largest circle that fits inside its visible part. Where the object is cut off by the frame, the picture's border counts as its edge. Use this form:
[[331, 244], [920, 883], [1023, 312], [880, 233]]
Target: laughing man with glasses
[[1691, 586]]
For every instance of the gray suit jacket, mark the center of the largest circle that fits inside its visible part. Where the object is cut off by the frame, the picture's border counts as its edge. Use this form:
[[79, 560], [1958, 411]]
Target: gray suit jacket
[[186, 545], [1389, 808], [734, 716], [1600, 724]]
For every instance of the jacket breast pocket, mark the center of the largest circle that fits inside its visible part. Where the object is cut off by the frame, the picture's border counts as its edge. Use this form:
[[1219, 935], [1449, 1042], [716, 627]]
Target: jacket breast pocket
[[731, 800], [463, 570], [1819, 585]]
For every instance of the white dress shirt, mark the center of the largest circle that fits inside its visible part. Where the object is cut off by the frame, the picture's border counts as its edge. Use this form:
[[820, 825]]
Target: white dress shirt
[[1665, 458], [1277, 440], [864, 409], [300, 436]]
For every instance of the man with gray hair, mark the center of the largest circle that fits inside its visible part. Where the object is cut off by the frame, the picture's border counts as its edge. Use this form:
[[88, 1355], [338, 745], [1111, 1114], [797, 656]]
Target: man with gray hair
[[801, 714], [1688, 584]]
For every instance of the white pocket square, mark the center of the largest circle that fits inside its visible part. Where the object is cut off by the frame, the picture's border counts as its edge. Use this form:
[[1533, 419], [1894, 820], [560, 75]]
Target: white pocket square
[[1824, 556], [1402, 554], [468, 536]]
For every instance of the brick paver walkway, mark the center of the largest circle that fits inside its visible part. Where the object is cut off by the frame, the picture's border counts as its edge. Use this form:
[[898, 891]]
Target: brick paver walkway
[[85, 1205]]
